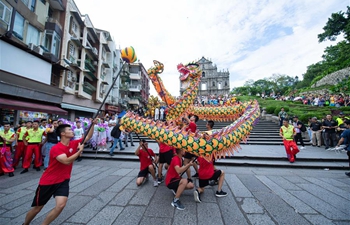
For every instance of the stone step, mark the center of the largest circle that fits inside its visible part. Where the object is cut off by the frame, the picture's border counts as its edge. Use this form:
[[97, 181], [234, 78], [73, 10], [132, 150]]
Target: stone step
[[242, 161]]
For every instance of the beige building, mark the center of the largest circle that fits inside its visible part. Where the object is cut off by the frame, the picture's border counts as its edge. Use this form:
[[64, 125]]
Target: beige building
[[93, 61]]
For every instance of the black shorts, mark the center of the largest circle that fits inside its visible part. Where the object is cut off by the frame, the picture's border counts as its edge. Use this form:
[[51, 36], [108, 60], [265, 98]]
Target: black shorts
[[216, 175], [166, 157], [143, 173], [44, 192], [174, 184], [189, 155]]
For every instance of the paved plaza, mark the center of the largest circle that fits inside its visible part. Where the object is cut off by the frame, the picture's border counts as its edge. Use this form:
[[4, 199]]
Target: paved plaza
[[104, 192]]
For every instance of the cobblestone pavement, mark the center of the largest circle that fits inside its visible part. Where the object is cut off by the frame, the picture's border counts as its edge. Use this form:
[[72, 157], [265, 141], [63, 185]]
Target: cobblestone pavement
[[104, 192]]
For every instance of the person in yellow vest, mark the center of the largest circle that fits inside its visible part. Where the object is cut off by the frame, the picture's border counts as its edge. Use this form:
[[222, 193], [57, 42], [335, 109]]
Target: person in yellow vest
[[32, 140], [20, 147], [6, 139], [287, 132]]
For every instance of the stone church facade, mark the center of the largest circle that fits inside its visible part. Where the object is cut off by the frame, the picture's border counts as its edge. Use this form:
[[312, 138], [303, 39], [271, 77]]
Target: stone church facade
[[213, 82]]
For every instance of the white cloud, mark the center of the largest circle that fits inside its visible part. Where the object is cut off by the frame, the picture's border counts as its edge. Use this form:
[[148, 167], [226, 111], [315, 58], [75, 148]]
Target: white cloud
[[231, 33]]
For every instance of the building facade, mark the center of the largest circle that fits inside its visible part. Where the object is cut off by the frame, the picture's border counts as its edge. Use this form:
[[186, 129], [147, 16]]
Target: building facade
[[213, 82], [29, 69], [134, 86], [63, 65], [93, 63]]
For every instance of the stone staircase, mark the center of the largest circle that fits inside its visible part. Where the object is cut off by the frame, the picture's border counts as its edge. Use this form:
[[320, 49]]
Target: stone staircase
[[264, 133], [263, 149]]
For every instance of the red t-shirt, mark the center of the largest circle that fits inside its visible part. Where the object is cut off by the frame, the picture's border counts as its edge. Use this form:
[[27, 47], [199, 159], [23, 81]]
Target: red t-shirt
[[164, 148], [145, 159], [206, 169], [192, 127], [58, 172], [172, 174]]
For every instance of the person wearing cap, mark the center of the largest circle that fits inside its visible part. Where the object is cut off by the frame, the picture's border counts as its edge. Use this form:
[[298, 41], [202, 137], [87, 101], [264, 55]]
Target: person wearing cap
[[298, 137], [287, 132], [341, 119], [316, 130], [345, 138]]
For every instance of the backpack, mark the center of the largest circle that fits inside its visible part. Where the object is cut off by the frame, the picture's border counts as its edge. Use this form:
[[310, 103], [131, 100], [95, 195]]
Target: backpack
[[303, 128]]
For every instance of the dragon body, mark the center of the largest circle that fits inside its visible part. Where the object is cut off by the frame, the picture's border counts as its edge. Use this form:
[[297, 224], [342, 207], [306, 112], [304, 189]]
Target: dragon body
[[217, 143]]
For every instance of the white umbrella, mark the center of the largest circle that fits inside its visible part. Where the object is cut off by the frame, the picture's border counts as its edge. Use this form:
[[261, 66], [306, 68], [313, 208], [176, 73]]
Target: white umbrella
[[297, 98]]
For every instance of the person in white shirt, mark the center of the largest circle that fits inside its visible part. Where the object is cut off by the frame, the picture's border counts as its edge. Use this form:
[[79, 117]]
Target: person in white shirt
[[78, 131], [156, 114], [162, 113]]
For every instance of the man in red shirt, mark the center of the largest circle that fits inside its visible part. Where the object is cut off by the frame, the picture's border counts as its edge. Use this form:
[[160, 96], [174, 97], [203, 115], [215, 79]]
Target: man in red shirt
[[55, 179], [166, 153], [174, 181], [191, 126], [208, 173], [145, 155]]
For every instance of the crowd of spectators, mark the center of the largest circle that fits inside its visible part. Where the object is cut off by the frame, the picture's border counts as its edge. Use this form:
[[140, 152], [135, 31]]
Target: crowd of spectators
[[336, 100]]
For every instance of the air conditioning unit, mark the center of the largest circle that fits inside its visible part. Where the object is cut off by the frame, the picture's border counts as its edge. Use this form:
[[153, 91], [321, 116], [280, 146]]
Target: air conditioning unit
[[37, 49], [31, 46]]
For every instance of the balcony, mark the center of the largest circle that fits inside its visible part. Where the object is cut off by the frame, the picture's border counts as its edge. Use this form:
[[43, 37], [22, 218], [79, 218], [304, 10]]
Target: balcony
[[135, 76], [134, 101], [57, 5], [54, 25], [106, 64], [135, 88], [124, 87], [89, 66], [76, 40], [89, 88]]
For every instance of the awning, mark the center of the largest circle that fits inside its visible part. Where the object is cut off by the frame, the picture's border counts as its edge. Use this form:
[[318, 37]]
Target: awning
[[79, 108], [20, 105]]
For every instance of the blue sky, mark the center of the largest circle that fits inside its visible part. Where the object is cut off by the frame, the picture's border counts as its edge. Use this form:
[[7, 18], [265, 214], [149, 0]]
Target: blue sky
[[252, 39]]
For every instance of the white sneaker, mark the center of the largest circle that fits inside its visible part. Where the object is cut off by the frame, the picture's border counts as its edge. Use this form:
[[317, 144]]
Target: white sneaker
[[155, 183], [302, 148]]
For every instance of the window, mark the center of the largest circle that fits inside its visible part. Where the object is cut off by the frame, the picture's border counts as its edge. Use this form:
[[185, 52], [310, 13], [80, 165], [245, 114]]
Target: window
[[32, 5], [32, 35], [52, 42], [49, 13], [5, 12], [18, 26], [204, 86], [225, 83], [203, 74], [43, 1], [213, 84], [74, 27], [71, 49], [219, 86]]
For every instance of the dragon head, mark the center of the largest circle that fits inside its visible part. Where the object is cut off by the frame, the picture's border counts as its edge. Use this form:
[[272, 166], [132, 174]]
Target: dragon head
[[190, 70]]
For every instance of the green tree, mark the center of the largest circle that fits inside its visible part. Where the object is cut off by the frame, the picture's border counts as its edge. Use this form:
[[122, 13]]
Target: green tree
[[337, 24]]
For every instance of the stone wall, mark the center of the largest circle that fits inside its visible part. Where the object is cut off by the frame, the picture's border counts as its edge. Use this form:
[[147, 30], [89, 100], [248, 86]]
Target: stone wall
[[332, 79]]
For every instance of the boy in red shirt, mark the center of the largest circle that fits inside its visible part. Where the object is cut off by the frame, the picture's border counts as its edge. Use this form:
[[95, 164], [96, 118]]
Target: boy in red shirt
[[191, 126], [166, 153], [146, 163], [55, 179], [206, 174], [174, 181]]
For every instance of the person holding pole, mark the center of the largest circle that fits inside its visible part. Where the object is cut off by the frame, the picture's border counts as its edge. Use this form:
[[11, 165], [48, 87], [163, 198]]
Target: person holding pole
[[146, 163], [55, 180]]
